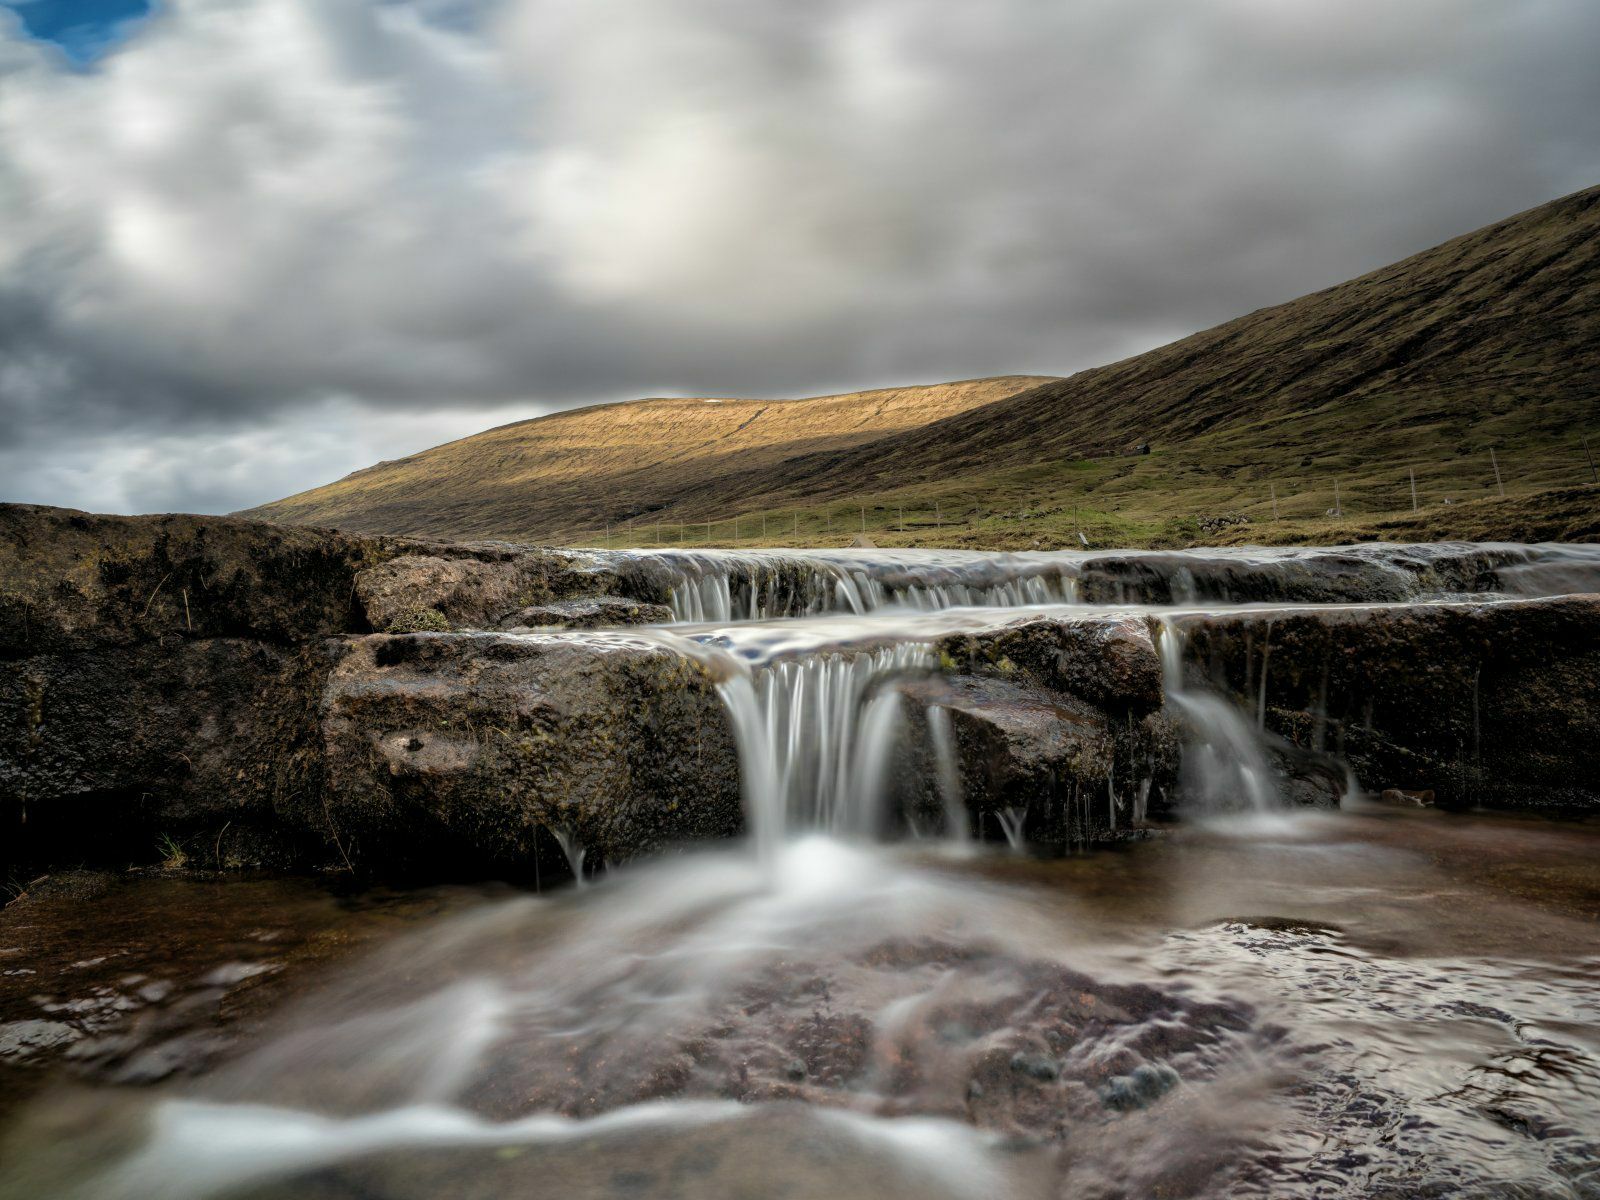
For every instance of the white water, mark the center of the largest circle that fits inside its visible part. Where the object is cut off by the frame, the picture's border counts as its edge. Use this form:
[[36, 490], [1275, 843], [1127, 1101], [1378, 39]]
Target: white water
[[942, 737], [724, 586], [815, 738], [747, 585], [1224, 766]]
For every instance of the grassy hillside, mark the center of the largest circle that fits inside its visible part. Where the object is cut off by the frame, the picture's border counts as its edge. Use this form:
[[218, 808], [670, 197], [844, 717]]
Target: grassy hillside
[[1309, 419], [576, 470]]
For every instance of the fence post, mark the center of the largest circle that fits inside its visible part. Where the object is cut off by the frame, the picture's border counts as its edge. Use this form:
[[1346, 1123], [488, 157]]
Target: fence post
[[708, 533], [1338, 505], [1495, 462], [1594, 477], [1412, 471], [797, 527], [1274, 488], [902, 518], [938, 521], [863, 518]]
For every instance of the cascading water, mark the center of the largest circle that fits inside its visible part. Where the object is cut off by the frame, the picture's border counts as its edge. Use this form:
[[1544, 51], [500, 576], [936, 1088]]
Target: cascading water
[[815, 737], [745, 585], [748, 586], [1224, 766], [941, 737]]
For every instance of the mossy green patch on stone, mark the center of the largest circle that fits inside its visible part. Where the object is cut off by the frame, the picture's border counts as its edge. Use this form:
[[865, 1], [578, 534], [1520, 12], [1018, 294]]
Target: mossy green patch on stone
[[420, 620]]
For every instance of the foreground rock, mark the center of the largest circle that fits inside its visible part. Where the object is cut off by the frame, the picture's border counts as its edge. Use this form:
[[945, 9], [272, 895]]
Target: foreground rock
[[490, 750], [165, 675], [229, 685]]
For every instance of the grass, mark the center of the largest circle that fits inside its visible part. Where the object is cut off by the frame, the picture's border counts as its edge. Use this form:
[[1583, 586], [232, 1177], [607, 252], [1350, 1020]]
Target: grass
[[173, 856]]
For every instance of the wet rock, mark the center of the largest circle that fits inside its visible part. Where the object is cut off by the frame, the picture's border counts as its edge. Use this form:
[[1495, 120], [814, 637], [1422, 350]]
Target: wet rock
[[1036, 1067], [103, 750], [1109, 662], [1029, 756], [486, 747], [73, 581], [162, 675], [1139, 1089], [1321, 575], [1495, 703], [593, 612]]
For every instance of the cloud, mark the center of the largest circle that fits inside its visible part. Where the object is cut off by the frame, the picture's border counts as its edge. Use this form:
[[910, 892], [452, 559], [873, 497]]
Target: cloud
[[267, 225]]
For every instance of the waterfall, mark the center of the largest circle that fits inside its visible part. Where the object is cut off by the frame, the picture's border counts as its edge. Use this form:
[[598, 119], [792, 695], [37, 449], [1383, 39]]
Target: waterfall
[[816, 736], [729, 586], [941, 738], [1224, 766]]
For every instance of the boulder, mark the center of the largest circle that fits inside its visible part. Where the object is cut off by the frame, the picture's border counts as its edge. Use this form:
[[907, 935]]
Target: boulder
[[1109, 662], [491, 749]]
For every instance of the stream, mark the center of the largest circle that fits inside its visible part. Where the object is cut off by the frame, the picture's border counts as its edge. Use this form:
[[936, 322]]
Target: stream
[[1258, 999]]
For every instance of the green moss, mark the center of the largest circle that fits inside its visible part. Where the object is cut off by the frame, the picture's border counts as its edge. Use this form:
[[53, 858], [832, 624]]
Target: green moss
[[420, 620]]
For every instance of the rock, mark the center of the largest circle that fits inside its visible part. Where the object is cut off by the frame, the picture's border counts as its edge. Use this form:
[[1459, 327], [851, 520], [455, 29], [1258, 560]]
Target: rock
[[862, 542], [1492, 703], [1022, 748], [482, 748], [1140, 1088], [419, 620], [470, 590], [1108, 662], [75, 581], [1316, 575], [102, 750], [1036, 1067], [593, 612], [163, 675]]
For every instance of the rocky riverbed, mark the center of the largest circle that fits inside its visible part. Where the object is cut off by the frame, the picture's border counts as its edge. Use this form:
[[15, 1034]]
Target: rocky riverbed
[[869, 873]]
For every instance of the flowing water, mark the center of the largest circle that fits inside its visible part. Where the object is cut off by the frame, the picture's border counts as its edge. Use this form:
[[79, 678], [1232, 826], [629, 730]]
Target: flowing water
[[1358, 1002]]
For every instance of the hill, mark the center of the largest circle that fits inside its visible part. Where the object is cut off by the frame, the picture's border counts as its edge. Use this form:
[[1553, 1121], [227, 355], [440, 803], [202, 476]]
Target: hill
[[578, 469], [1472, 368]]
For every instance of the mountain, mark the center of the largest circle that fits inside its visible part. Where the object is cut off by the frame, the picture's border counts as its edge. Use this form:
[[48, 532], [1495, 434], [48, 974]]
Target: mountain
[[1472, 368]]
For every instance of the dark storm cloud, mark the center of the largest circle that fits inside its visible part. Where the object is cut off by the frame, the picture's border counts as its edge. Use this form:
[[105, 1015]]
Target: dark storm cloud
[[269, 241]]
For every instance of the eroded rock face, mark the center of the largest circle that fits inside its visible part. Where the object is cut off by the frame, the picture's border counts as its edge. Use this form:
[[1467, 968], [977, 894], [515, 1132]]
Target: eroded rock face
[[1316, 576], [1479, 703], [484, 748]]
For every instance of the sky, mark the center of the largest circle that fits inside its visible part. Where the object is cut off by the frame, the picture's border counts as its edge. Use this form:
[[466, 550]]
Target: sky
[[247, 246]]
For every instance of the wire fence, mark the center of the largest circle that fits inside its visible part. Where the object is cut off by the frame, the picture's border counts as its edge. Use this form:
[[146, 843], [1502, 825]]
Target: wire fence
[[1299, 497]]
